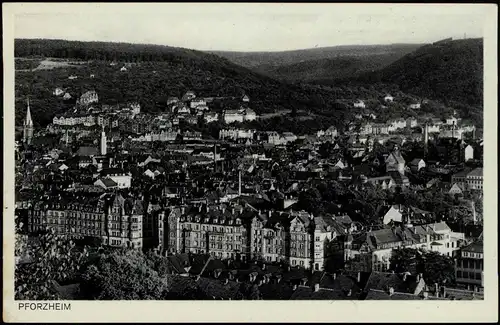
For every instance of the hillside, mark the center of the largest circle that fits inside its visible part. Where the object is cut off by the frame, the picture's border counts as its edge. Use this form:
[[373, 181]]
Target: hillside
[[267, 62], [450, 71], [332, 69], [154, 73]]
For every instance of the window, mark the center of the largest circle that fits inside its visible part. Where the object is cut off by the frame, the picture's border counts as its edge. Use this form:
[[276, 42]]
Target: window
[[466, 275], [316, 266], [301, 263], [318, 238], [294, 262], [478, 276]]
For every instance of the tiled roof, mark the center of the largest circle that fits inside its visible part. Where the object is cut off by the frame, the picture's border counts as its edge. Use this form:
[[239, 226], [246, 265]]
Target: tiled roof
[[383, 281], [383, 295]]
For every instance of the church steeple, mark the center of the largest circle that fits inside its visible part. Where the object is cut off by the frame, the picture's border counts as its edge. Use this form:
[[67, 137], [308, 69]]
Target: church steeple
[[103, 142], [28, 126]]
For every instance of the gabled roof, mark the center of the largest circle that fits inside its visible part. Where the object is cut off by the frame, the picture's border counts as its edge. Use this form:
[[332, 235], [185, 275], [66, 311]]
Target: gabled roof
[[384, 281]]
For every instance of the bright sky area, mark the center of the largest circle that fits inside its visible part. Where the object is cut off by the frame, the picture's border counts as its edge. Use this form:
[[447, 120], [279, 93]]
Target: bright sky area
[[250, 27]]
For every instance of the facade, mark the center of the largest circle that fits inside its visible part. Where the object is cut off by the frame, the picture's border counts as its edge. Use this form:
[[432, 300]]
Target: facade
[[395, 162], [469, 265], [468, 153], [388, 99], [111, 218], [359, 104], [240, 115], [295, 237], [474, 179], [373, 252], [89, 97]]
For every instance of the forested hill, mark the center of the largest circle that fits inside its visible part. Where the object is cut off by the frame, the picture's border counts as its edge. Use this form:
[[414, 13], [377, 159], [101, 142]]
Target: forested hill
[[268, 61], [154, 73], [448, 71]]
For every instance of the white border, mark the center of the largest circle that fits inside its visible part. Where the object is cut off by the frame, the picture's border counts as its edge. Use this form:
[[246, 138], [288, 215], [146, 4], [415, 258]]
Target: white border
[[260, 311]]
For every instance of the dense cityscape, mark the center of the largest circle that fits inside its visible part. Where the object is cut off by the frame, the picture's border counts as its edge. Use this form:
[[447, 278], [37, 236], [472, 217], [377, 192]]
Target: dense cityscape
[[203, 199]]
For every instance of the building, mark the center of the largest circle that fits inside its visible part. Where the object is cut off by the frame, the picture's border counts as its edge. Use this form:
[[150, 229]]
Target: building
[[58, 92], [211, 117], [452, 120], [373, 251], [388, 98], [103, 144], [197, 102], [397, 124], [415, 106], [122, 179], [411, 122], [189, 95], [28, 126], [359, 104], [417, 164], [469, 265], [395, 162], [245, 99], [172, 100], [468, 153], [88, 98], [240, 115], [233, 231], [114, 220], [380, 128], [474, 179], [236, 134]]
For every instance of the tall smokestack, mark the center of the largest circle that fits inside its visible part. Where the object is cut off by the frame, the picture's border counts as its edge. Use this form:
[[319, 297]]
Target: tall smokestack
[[239, 183], [426, 138], [215, 158]]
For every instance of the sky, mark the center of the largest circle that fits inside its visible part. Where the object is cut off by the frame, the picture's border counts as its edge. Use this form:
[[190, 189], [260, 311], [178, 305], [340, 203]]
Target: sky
[[250, 27]]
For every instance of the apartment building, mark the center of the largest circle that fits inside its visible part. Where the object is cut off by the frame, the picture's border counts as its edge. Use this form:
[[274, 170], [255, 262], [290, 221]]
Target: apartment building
[[234, 231], [115, 220], [469, 265]]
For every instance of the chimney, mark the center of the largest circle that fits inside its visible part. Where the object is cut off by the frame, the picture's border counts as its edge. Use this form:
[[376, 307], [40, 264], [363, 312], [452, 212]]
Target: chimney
[[436, 288], [391, 291], [359, 277], [316, 287]]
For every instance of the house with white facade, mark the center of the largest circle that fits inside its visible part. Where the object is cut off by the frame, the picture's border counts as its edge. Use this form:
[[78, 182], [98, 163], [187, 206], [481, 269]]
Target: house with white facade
[[388, 98], [359, 104]]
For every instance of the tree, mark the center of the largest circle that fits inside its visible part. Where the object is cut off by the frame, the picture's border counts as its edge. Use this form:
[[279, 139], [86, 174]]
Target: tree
[[123, 275], [47, 258], [435, 267]]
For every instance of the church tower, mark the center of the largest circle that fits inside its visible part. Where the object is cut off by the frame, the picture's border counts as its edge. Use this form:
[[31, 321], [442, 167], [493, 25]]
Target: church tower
[[28, 126], [103, 142]]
